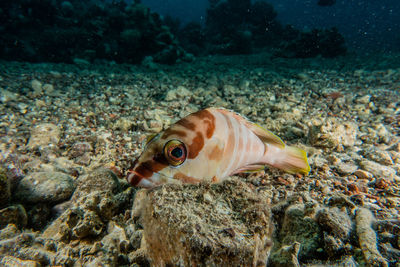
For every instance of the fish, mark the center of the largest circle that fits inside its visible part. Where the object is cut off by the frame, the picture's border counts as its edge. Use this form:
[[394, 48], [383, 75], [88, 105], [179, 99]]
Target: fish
[[211, 145]]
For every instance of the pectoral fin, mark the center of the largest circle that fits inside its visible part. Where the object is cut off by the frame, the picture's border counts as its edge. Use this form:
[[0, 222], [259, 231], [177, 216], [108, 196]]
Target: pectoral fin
[[250, 168]]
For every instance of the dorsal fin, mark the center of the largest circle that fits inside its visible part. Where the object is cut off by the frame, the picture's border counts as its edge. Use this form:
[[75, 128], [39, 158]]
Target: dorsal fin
[[265, 135]]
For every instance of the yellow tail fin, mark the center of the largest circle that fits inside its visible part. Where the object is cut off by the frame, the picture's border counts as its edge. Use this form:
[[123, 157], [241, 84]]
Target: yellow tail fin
[[289, 159]]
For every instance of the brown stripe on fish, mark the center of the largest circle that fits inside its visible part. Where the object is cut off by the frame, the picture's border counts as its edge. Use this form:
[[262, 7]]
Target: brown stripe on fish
[[216, 153], [159, 162], [134, 179], [185, 122], [146, 169], [208, 118], [204, 122], [139, 173], [196, 145]]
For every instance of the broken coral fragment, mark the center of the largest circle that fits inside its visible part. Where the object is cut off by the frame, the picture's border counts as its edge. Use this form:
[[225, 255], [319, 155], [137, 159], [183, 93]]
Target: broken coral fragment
[[181, 224]]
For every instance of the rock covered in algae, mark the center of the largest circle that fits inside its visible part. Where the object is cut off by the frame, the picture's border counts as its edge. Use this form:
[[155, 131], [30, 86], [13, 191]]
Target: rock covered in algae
[[15, 214], [286, 256], [87, 233], [85, 218], [298, 226], [206, 225], [94, 202], [367, 238], [337, 227], [13, 261], [98, 180], [5, 188], [337, 233], [335, 221]]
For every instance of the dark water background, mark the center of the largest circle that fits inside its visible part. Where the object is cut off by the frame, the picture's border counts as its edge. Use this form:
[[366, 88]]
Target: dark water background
[[170, 31], [368, 25]]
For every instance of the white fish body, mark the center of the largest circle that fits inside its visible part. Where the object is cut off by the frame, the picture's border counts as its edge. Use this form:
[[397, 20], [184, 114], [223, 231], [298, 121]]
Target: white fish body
[[213, 144]]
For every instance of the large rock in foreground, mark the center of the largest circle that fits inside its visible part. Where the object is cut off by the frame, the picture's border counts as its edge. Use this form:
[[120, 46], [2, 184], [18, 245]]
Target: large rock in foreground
[[207, 225]]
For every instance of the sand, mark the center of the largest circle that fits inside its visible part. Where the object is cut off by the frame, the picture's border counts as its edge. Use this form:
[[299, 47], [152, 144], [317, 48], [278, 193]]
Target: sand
[[72, 122]]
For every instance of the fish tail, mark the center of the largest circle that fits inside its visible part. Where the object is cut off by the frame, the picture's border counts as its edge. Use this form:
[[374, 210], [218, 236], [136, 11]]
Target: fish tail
[[289, 159]]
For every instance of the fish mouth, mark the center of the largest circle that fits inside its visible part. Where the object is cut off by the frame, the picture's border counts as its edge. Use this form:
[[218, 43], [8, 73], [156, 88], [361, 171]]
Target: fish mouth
[[137, 179], [134, 178]]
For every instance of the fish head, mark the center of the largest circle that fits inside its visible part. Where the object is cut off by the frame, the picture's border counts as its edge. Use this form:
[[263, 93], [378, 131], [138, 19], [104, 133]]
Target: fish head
[[159, 162], [177, 154]]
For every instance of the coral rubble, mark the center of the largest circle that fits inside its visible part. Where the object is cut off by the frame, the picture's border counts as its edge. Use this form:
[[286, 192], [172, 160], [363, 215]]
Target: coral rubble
[[205, 225], [69, 133]]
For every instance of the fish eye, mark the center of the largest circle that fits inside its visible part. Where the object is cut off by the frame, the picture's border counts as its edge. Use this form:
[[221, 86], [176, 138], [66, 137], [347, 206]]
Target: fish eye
[[175, 152]]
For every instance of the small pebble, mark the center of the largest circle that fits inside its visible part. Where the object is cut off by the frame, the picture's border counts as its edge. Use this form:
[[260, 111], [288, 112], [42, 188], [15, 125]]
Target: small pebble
[[363, 174], [36, 86]]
